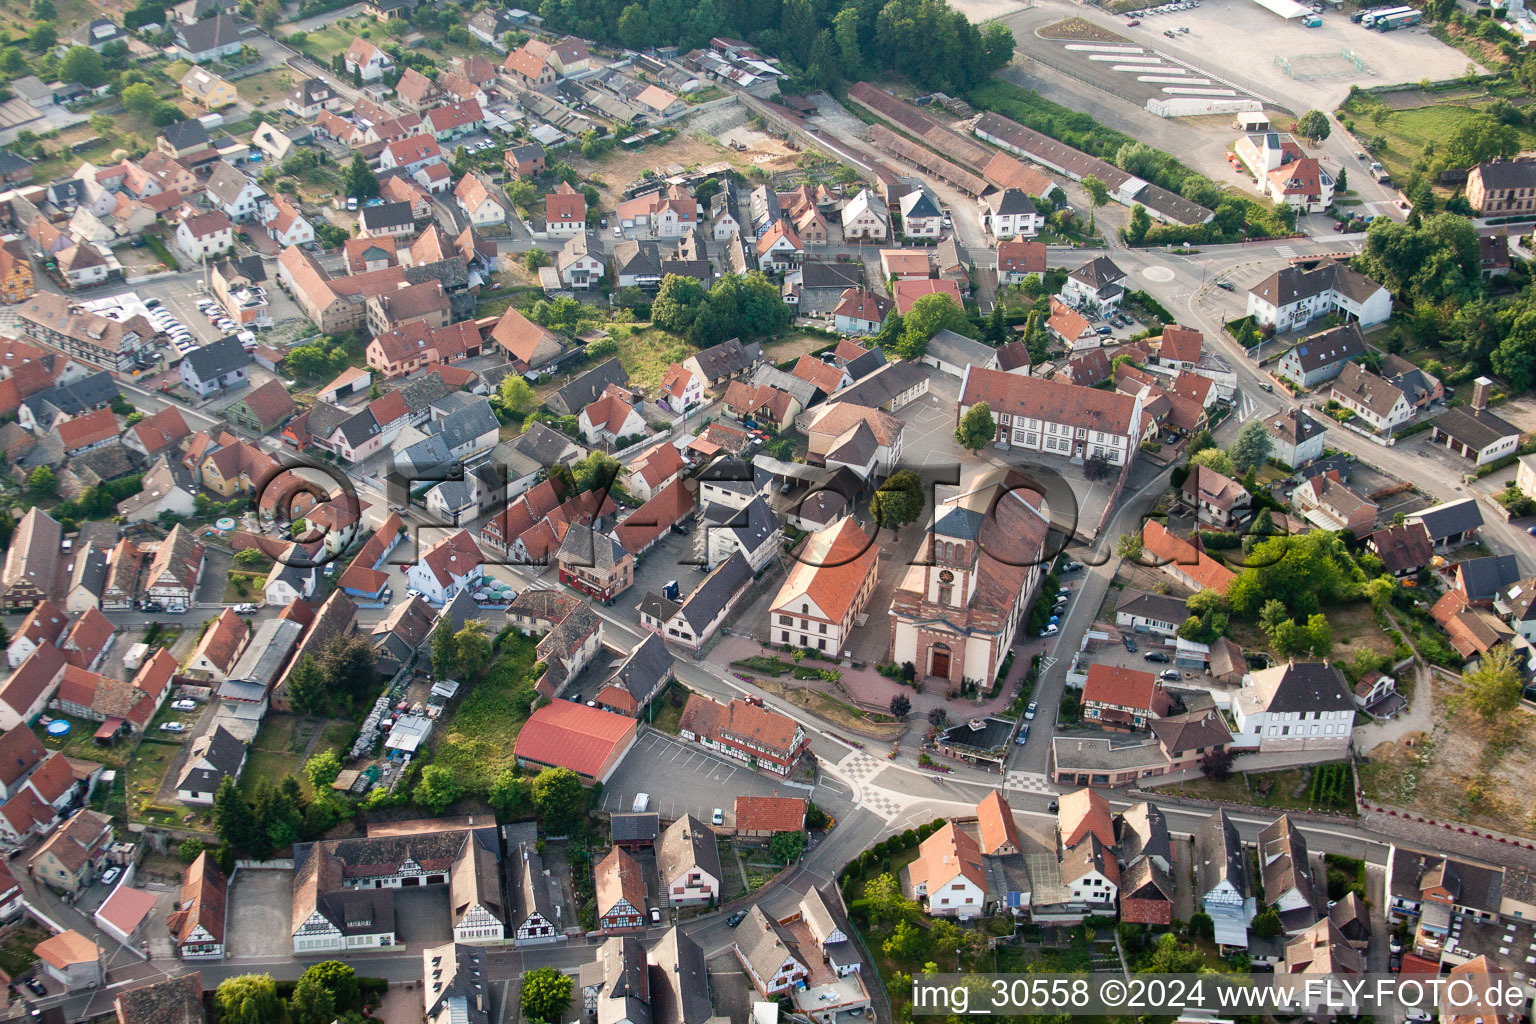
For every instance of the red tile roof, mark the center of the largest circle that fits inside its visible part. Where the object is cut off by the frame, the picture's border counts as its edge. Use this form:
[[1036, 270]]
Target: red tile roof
[[770, 814], [565, 734]]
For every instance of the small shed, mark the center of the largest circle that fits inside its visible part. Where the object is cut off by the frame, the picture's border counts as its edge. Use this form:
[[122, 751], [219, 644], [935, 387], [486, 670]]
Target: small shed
[[1188, 654]]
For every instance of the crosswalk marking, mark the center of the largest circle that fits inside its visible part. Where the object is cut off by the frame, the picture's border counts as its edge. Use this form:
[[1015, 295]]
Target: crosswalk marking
[[1029, 782], [1285, 250]]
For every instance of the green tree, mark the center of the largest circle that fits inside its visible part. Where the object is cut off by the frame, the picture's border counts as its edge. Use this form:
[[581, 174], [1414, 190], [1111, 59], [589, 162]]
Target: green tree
[[1170, 956], [43, 37], [83, 65], [472, 648], [1130, 546], [1515, 357], [1098, 195], [249, 557], [1138, 226], [901, 706], [516, 393], [359, 180], [444, 651], [907, 942], [1252, 446], [340, 981], [976, 429], [1314, 125], [44, 10], [41, 481], [635, 27], [1214, 458], [311, 1003], [1303, 572], [1341, 181], [546, 995], [190, 850], [234, 817], [559, 799], [785, 847], [1319, 635], [535, 259], [437, 788], [677, 303], [899, 501], [1432, 261], [996, 330], [1266, 924], [511, 794], [248, 999], [928, 316], [1492, 688], [347, 663], [884, 902], [322, 768], [267, 16], [1272, 615], [1476, 139], [595, 472], [13, 61], [306, 685]]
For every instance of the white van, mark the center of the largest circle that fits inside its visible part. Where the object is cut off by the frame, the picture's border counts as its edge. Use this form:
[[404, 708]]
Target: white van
[[642, 801]]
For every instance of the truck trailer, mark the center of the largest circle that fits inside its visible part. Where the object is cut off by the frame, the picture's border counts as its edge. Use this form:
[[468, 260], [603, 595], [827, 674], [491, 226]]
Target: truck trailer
[[1401, 20]]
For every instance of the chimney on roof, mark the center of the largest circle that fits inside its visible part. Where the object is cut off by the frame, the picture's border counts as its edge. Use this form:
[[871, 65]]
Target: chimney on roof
[[1480, 389]]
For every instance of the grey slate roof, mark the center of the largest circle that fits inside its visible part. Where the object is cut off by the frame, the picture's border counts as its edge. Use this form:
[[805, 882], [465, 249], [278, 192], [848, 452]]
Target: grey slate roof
[[959, 521], [1098, 273], [1451, 518], [1328, 347], [730, 357], [210, 362], [386, 215], [219, 30], [687, 845], [1295, 283], [865, 364], [584, 547], [224, 756], [1501, 174], [1475, 428], [1219, 855], [751, 525], [878, 388], [85, 394], [585, 389], [464, 984], [1303, 686], [185, 134], [703, 605], [226, 182], [802, 391], [465, 425], [1484, 578], [639, 827], [1141, 830], [679, 981], [539, 447], [830, 274], [648, 666], [1161, 607], [950, 347], [1294, 427]]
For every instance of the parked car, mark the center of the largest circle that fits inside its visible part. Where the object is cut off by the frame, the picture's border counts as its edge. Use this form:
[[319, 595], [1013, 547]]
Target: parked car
[[1130, 643], [1170, 674], [172, 727], [1226, 286], [245, 609], [1070, 567], [36, 987], [110, 875], [1051, 806], [736, 919], [718, 818], [412, 592], [1050, 630], [655, 915], [1023, 736], [1133, 23], [1030, 711], [183, 705], [1157, 656]]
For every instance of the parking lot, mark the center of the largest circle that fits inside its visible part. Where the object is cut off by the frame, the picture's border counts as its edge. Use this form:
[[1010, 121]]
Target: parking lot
[[696, 781], [259, 914]]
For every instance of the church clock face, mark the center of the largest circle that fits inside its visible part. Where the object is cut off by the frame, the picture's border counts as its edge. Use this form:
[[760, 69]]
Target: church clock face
[[946, 576]]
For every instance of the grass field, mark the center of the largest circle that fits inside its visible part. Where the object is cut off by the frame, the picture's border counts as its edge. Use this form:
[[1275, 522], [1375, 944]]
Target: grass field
[[330, 40], [475, 741], [1408, 130], [648, 352], [1286, 790], [268, 85]]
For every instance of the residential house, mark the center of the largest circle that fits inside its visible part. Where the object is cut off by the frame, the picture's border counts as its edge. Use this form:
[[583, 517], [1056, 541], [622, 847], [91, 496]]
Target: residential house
[[1142, 612], [31, 562], [220, 366], [285, 224], [860, 311], [565, 212], [580, 262], [620, 893], [831, 581], [309, 97], [1123, 698], [638, 679], [1185, 561], [205, 234], [1498, 188], [1296, 439], [197, 923], [237, 195], [1018, 261], [948, 874], [1010, 213], [1291, 298], [729, 359], [447, 567], [1216, 499], [1295, 706], [691, 622], [1403, 549], [367, 61], [529, 345], [865, 218], [209, 39], [1221, 879], [688, 862], [1056, 417], [759, 736], [920, 216], [1325, 502], [1097, 285], [1321, 357], [75, 854], [212, 758], [208, 90], [593, 563], [1450, 523]]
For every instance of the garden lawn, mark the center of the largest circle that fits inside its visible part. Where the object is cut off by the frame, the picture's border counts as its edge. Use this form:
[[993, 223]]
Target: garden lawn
[[16, 951], [277, 753], [145, 772], [475, 741], [1288, 790], [646, 354], [1408, 131], [332, 39]]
